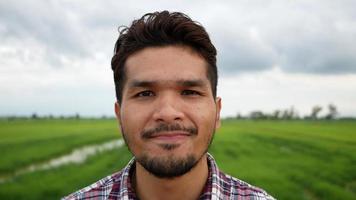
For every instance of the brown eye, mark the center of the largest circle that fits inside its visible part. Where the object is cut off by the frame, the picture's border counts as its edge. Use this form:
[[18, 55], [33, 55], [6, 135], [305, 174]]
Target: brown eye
[[190, 92], [146, 93]]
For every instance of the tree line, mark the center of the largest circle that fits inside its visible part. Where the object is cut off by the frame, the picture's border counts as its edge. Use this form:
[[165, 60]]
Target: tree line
[[278, 114], [292, 113], [35, 116]]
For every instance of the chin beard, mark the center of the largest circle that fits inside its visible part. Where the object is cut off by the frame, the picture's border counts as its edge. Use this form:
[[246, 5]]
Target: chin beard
[[168, 167]]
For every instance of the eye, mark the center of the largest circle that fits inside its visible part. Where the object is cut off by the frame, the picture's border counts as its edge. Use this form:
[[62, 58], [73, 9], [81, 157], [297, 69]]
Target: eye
[[146, 93], [190, 92]]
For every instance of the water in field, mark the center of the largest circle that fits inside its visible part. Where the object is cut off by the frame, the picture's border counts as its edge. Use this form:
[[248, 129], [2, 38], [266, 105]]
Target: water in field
[[77, 156]]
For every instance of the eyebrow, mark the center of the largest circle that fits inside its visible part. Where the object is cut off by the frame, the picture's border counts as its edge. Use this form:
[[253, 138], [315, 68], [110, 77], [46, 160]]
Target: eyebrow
[[191, 83], [183, 82]]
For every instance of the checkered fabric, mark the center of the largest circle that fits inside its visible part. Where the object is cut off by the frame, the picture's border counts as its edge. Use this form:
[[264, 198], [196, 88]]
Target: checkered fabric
[[218, 186]]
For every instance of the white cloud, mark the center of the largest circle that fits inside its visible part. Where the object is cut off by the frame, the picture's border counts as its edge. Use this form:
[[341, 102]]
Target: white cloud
[[271, 90], [55, 55]]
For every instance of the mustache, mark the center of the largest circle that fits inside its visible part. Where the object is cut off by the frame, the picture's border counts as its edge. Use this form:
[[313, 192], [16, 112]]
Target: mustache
[[167, 128]]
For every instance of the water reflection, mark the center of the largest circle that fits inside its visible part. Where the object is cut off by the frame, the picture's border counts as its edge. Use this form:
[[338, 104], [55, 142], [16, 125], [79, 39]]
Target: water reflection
[[77, 156]]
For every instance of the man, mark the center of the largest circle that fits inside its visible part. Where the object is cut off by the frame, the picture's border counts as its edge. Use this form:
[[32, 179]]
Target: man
[[165, 76]]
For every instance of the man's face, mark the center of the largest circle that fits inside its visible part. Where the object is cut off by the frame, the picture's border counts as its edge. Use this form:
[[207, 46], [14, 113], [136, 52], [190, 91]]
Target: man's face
[[168, 114]]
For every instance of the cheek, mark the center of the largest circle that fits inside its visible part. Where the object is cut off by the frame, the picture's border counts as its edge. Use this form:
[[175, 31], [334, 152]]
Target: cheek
[[206, 114], [204, 118], [130, 123], [134, 119]]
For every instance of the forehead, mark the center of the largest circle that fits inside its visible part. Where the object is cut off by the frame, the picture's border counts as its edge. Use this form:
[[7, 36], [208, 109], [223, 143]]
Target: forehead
[[168, 63]]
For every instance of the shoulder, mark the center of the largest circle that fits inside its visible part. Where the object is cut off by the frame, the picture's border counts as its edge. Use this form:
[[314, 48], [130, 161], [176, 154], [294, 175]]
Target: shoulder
[[235, 188], [224, 186], [98, 190]]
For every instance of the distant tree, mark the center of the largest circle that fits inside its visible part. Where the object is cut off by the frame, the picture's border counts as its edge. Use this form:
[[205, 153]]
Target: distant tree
[[238, 116], [286, 114], [34, 116], [292, 112], [276, 114], [332, 112], [11, 118], [307, 117], [315, 111], [77, 116], [257, 115], [289, 113]]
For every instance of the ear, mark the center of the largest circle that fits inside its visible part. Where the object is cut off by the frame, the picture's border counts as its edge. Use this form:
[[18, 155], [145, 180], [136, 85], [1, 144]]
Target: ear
[[117, 112], [218, 109]]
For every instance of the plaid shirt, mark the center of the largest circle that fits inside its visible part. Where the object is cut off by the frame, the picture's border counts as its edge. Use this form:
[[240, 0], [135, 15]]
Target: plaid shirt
[[218, 186]]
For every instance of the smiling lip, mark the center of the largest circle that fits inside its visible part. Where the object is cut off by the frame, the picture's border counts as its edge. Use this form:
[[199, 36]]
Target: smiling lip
[[171, 136]]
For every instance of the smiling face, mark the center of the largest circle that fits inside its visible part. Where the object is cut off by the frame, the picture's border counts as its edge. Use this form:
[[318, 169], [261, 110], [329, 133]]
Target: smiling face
[[168, 114]]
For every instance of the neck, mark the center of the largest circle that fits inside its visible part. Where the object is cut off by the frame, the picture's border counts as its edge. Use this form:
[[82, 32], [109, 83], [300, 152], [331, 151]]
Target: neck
[[187, 186]]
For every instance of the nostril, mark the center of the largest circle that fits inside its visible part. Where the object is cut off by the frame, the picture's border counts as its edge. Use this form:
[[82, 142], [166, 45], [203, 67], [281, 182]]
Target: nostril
[[177, 118]]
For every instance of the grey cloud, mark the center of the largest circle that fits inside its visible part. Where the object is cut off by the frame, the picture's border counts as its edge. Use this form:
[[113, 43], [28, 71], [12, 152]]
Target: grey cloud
[[44, 22], [317, 59], [242, 54], [73, 30], [324, 51], [304, 37]]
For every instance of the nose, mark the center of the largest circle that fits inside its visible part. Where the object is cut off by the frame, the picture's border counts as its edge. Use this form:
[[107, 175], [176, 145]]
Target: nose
[[168, 110]]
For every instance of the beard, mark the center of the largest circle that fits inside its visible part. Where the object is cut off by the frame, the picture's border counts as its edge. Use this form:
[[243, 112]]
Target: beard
[[169, 166]]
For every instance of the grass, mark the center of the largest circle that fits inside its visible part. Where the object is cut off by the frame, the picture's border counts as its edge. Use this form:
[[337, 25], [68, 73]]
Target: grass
[[53, 184], [30, 141], [290, 159]]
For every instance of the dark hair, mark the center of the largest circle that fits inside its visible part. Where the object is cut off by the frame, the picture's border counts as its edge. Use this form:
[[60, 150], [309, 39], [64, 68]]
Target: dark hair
[[162, 29]]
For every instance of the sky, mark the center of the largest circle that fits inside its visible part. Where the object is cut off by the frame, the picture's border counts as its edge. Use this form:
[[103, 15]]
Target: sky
[[272, 54]]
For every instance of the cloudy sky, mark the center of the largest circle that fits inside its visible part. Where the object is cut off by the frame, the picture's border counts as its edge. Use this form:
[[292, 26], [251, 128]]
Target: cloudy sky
[[55, 54]]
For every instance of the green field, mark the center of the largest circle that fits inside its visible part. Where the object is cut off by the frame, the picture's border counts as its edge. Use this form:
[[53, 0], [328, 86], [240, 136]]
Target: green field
[[289, 159]]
